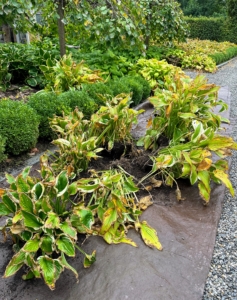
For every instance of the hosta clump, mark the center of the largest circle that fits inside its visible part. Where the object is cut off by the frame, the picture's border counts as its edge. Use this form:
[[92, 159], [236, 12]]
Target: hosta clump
[[195, 160], [44, 216], [155, 72], [113, 122], [79, 140], [182, 101], [38, 219], [77, 147], [67, 74], [112, 197]]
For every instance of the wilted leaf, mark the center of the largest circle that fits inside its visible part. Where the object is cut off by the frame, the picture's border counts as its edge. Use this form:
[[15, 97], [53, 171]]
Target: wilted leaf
[[89, 259], [17, 228], [205, 164], [64, 263], [149, 236], [109, 217], [144, 202], [224, 178], [204, 193]]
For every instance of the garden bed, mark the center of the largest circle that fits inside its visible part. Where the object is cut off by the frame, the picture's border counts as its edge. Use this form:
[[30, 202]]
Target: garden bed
[[186, 230]]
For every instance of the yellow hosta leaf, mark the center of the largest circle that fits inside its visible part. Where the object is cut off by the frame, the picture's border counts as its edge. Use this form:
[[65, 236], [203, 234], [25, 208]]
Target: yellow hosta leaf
[[109, 218], [205, 164], [149, 123], [224, 178], [149, 236], [220, 142], [168, 110], [2, 191], [145, 202]]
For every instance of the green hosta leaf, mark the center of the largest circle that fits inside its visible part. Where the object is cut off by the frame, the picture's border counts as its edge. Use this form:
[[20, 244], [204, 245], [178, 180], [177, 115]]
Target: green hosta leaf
[[26, 203], [47, 244], [129, 186], [45, 204], [38, 191], [10, 179], [65, 245], [26, 172], [204, 193], [15, 264], [61, 183], [58, 269], [22, 185], [26, 235], [224, 178], [109, 217], [53, 221], [9, 203], [29, 275], [48, 270], [4, 211], [86, 217], [89, 259], [64, 263], [33, 265], [72, 189], [68, 229], [32, 245], [186, 170], [204, 177], [32, 221], [187, 115], [193, 176], [149, 236]]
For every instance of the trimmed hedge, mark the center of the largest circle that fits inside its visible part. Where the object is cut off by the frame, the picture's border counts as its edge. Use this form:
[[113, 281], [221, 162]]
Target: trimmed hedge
[[205, 28], [215, 29], [19, 125]]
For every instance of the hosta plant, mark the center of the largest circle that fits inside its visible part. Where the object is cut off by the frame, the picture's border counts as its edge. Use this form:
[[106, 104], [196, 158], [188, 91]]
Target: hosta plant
[[182, 101], [113, 122], [195, 161], [38, 219], [79, 140], [155, 72], [66, 74], [76, 146], [44, 216]]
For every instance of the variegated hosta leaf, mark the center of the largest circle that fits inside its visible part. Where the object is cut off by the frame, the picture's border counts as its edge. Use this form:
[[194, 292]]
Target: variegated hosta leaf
[[149, 235], [61, 183], [15, 264], [221, 175], [89, 259]]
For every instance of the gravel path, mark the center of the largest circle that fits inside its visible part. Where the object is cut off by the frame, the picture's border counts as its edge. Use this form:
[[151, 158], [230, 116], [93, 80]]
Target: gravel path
[[222, 278]]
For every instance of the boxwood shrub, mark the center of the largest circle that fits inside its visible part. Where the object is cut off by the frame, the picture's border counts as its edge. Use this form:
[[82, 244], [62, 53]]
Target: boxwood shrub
[[96, 91], [18, 125], [80, 99], [2, 148], [46, 105]]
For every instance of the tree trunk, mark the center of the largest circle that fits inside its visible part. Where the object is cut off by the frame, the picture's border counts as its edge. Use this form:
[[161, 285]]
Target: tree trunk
[[61, 27], [6, 33]]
